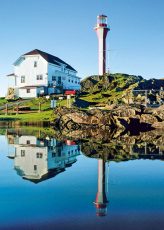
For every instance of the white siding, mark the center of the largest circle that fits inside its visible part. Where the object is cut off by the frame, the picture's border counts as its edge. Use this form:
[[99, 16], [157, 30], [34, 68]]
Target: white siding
[[23, 140], [23, 93], [26, 68], [36, 167]]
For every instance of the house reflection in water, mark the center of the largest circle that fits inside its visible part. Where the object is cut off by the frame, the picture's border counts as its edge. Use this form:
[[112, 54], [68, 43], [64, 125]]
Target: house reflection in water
[[37, 159]]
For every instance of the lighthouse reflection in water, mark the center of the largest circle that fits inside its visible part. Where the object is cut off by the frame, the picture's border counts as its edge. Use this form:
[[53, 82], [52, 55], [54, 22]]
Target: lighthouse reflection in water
[[101, 198]]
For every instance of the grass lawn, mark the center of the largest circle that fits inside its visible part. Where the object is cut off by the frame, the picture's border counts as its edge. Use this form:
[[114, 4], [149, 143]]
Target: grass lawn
[[2, 101], [30, 117], [33, 116]]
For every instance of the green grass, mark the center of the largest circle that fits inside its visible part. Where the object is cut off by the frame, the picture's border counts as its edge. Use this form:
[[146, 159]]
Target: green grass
[[45, 104], [114, 91], [2, 101], [33, 116], [30, 117]]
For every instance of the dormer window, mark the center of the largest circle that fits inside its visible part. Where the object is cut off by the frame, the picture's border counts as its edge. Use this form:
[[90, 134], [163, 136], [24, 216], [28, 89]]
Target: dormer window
[[35, 63]]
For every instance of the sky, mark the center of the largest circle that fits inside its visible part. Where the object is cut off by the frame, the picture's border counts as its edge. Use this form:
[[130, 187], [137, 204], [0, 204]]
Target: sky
[[64, 28]]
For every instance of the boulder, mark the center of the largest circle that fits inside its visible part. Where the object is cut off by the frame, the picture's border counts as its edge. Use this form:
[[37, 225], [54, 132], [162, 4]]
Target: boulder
[[126, 111], [148, 118], [10, 94], [158, 125], [159, 113]]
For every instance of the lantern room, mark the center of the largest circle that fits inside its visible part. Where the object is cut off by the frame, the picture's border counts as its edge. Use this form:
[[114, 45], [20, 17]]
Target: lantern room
[[102, 21]]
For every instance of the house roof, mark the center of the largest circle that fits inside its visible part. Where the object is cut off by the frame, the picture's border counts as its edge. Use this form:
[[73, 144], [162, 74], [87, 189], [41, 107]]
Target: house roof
[[50, 58], [10, 75]]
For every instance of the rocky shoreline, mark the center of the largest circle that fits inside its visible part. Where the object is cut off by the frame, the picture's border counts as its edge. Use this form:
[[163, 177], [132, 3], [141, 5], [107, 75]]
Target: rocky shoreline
[[120, 119]]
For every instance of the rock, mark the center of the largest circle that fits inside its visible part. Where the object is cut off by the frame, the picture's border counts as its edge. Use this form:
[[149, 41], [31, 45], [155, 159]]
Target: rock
[[110, 107], [148, 118], [126, 111], [158, 125], [10, 94], [121, 123], [68, 118], [159, 113], [88, 83], [123, 118]]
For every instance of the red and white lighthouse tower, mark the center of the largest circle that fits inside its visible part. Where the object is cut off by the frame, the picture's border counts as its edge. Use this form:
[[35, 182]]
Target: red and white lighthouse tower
[[102, 29]]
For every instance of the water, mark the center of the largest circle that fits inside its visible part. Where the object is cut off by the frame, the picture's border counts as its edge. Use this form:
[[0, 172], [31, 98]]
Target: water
[[47, 183]]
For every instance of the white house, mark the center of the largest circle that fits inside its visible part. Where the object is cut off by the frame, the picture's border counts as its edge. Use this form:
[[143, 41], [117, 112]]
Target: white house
[[38, 159], [38, 73]]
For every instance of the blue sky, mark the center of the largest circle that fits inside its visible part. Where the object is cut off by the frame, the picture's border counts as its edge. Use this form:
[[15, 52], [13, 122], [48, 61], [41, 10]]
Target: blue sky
[[64, 28]]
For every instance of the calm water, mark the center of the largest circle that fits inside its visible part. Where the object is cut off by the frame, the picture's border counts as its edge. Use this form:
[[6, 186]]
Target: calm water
[[49, 184]]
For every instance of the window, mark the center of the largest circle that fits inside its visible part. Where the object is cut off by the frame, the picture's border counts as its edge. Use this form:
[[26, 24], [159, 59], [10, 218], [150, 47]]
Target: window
[[69, 80], [53, 154], [35, 167], [72, 81], [39, 77], [53, 78], [22, 79], [59, 80], [39, 155], [28, 90], [35, 63], [28, 142], [22, 153], [59, 152]]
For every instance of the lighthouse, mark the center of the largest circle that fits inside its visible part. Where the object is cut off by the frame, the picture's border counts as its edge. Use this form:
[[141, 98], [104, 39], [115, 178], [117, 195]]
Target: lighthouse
[[101, 198], [102, 29]]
